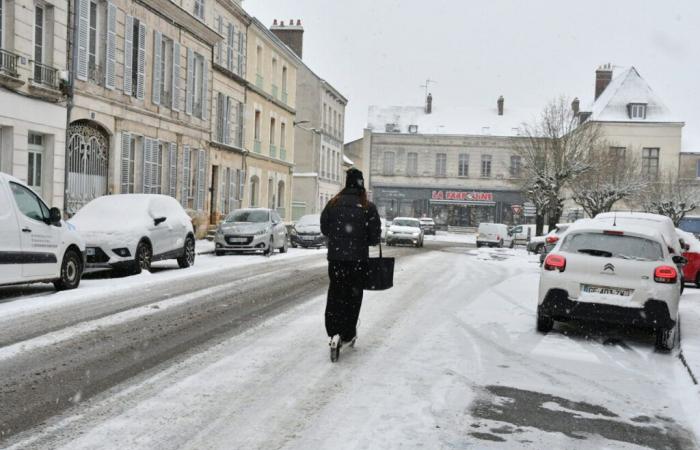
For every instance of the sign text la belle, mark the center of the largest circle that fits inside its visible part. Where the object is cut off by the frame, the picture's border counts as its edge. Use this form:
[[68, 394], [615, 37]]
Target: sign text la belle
[[463, 196]]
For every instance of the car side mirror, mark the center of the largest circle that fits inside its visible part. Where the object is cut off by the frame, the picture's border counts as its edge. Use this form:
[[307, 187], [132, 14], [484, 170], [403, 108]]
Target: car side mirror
[[159, 220], [55, 217], [680, 259], [686, 247]]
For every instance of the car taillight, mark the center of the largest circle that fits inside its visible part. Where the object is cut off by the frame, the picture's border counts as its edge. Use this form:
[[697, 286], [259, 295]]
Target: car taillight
[[498, 237], [555, 262], [665, 274], [552, 239]]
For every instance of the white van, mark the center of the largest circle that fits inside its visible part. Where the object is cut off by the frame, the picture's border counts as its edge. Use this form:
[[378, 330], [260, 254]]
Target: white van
[[35, 244], [494, 235]]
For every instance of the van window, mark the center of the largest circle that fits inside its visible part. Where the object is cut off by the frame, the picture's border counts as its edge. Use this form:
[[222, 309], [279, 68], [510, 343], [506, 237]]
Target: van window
[[28, 202]]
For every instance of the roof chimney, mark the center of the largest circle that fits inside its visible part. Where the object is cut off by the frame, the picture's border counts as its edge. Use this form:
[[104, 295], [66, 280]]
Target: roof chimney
[[603, 76], [500, 105], [292, 35], [575, 105], [429, 104]]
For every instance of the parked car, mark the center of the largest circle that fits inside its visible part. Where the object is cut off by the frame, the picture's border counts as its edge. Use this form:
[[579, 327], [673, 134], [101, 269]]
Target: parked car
[[493, 235], [623, 274], [428, 225], [521, 234], [252, 229], [384, 228], [306, 232], [130, 231], [405, 230], [35, 244], [690, 224], [552, 238], [691, 270]]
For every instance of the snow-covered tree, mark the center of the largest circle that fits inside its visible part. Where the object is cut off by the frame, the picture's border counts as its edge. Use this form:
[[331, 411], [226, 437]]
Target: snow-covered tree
[[670, 197]]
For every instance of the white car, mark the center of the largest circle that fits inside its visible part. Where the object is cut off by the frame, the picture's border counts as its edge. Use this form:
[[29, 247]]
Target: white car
[[405, 230], [661, 223], [252, 229], [621, 274], [493, 235], [384, 228], [130, 231], [428, 225], [35, 244]]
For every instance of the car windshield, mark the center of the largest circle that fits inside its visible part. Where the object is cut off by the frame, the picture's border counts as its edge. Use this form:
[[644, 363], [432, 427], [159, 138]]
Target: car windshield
[[249, 215], [311, 220], [612, 245], [406, 223]]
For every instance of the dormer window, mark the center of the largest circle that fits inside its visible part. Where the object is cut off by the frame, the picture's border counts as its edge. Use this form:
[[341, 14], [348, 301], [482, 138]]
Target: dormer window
[[413, 129], [637, 110], [392, 128]]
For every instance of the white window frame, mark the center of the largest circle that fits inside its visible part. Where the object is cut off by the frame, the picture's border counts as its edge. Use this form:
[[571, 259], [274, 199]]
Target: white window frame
[[650, 159], [638, 111], [516, 166], [41, 46], [166, 71], [198, 94], [37, 153], [463, 165], [486, 166], [441, 164]]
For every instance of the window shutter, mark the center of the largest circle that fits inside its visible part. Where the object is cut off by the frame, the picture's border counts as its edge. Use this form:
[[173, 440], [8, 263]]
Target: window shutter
[[157, 62], [125, 159], [185, 175], [147, 150], [240, 124], [220, 44], [111, 47], [233, 44], [232, 190], [141, 76], [225, 175], [229, 47], [227, 121], [205, 91], [242, 51], [241, 185], [172, 165], [128, 53], [219, 117], [189, 94], [176, 76], [201, 180], [82, 33]]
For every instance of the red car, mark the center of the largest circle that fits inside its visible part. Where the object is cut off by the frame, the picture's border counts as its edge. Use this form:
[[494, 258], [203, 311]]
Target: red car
[[691, 271]]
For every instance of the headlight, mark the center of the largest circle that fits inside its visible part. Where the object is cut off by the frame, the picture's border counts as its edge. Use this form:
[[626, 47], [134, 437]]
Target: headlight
[[416, 234], [260, 232], [389, 232]]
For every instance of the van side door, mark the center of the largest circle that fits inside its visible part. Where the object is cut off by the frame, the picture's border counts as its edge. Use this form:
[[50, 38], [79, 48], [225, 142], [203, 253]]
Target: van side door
[[10, 244], [40, 241]]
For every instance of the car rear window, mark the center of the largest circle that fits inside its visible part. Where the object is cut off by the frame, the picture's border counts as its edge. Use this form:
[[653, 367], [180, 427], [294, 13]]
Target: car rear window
[[406, 223], [617, 246]]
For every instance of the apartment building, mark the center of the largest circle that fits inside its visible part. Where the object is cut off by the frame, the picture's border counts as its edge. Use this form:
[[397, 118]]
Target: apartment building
[[33, 112]]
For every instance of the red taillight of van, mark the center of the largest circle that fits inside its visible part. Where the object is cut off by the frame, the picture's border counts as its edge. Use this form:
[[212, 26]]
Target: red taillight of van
[[555, 262], [552, 239], [665, 274]]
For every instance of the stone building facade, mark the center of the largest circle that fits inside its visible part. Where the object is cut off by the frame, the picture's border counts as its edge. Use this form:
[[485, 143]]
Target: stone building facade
[[33, 111]]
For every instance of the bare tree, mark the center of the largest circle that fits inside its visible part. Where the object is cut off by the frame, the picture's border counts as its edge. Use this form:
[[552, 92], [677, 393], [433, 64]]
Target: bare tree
[[614, 176], [554, 152], [670, 197]]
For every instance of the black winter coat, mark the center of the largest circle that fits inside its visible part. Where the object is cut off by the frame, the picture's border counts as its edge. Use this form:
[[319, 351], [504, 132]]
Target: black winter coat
[[350, 228]]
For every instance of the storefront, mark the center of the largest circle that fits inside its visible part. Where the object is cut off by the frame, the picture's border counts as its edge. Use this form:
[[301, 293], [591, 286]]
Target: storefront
[[450, 207]]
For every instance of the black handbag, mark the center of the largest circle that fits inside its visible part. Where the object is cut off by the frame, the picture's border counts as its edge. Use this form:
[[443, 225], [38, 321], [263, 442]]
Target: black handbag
[[380, 273]]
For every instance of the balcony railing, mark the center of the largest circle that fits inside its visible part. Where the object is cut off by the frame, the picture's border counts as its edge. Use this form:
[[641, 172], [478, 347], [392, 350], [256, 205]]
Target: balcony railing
[[259, 81], [275, 91], [8, 63], [257, 146], [45, 75], [283, 153], [285, 97], [273, 150]]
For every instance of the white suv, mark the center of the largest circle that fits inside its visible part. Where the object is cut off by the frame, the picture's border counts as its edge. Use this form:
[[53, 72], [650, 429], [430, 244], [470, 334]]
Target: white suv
[[619, 274], [35, 244]]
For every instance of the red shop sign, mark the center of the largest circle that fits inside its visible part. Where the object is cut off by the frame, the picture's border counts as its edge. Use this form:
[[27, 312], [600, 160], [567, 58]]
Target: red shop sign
[[461, 196]]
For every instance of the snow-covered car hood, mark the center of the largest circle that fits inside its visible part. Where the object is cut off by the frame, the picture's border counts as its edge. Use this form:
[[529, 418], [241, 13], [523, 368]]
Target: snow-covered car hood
[[316, 229], [403, 230], [243, 227], [125, 237]]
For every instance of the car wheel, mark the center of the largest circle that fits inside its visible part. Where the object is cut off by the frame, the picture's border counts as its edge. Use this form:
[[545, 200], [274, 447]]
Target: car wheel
[[285, 247], [187, 259], [71, 271], [666, 338], [144, 257], [268, 251], [544, 323]]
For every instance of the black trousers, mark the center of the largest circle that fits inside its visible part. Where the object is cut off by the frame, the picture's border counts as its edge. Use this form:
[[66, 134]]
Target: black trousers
[[344, 300]]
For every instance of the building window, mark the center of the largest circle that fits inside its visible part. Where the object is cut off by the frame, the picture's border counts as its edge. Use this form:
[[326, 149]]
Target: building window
[[199, 9], [389, 159], [284, 80], [166, 71], [199, 94], [39, 34], [412, 164], [441, 165], [637, 110], [515, 166], [650, 162], [486, 166], [257, 125], [259, 60], [35, 160], [93, 38], [283, 136], [464, 165]]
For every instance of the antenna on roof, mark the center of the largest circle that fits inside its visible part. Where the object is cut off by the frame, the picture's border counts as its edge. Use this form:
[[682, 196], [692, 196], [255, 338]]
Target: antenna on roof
[[427, 85]]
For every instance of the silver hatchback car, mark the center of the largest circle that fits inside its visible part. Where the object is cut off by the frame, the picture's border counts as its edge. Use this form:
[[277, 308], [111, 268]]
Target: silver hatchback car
[[250, 230]]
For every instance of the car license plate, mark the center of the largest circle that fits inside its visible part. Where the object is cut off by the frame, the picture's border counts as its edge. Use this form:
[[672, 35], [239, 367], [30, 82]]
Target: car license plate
[[604, 290], [308, 238], [90, 251], [238, 239]]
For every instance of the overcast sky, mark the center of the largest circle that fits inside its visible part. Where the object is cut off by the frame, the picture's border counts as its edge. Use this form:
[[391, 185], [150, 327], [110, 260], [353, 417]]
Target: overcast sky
[[381, 51]]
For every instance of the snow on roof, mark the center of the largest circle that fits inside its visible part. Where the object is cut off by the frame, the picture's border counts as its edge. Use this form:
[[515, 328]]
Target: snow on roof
[[306, 174], [470, 120], [627, 87]]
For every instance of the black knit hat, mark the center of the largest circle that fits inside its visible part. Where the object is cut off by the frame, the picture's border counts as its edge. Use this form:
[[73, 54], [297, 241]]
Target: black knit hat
[[354, 179]]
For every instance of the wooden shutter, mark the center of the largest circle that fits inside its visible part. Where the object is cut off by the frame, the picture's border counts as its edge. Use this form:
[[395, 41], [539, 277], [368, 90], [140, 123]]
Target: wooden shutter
[[229, 47], [241, 185], [227, 121], [125, 162], [219, 117], [240, 124], [176, 76], [141, 74], [205, 90], [186, 155], [222, 189], [201, 180], [147, 170], [220, 44], [242, 51], [82, 36], [111, 47], [128, 54], [232, 190], [189, 94], [157, 63], [172, 171]]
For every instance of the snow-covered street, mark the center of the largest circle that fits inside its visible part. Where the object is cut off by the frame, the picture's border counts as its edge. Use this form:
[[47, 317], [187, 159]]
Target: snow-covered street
[[449, 358]]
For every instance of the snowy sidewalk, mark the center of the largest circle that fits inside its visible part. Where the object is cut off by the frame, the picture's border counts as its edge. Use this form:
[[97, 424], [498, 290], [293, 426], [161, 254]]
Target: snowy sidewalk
[[690, 330]]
